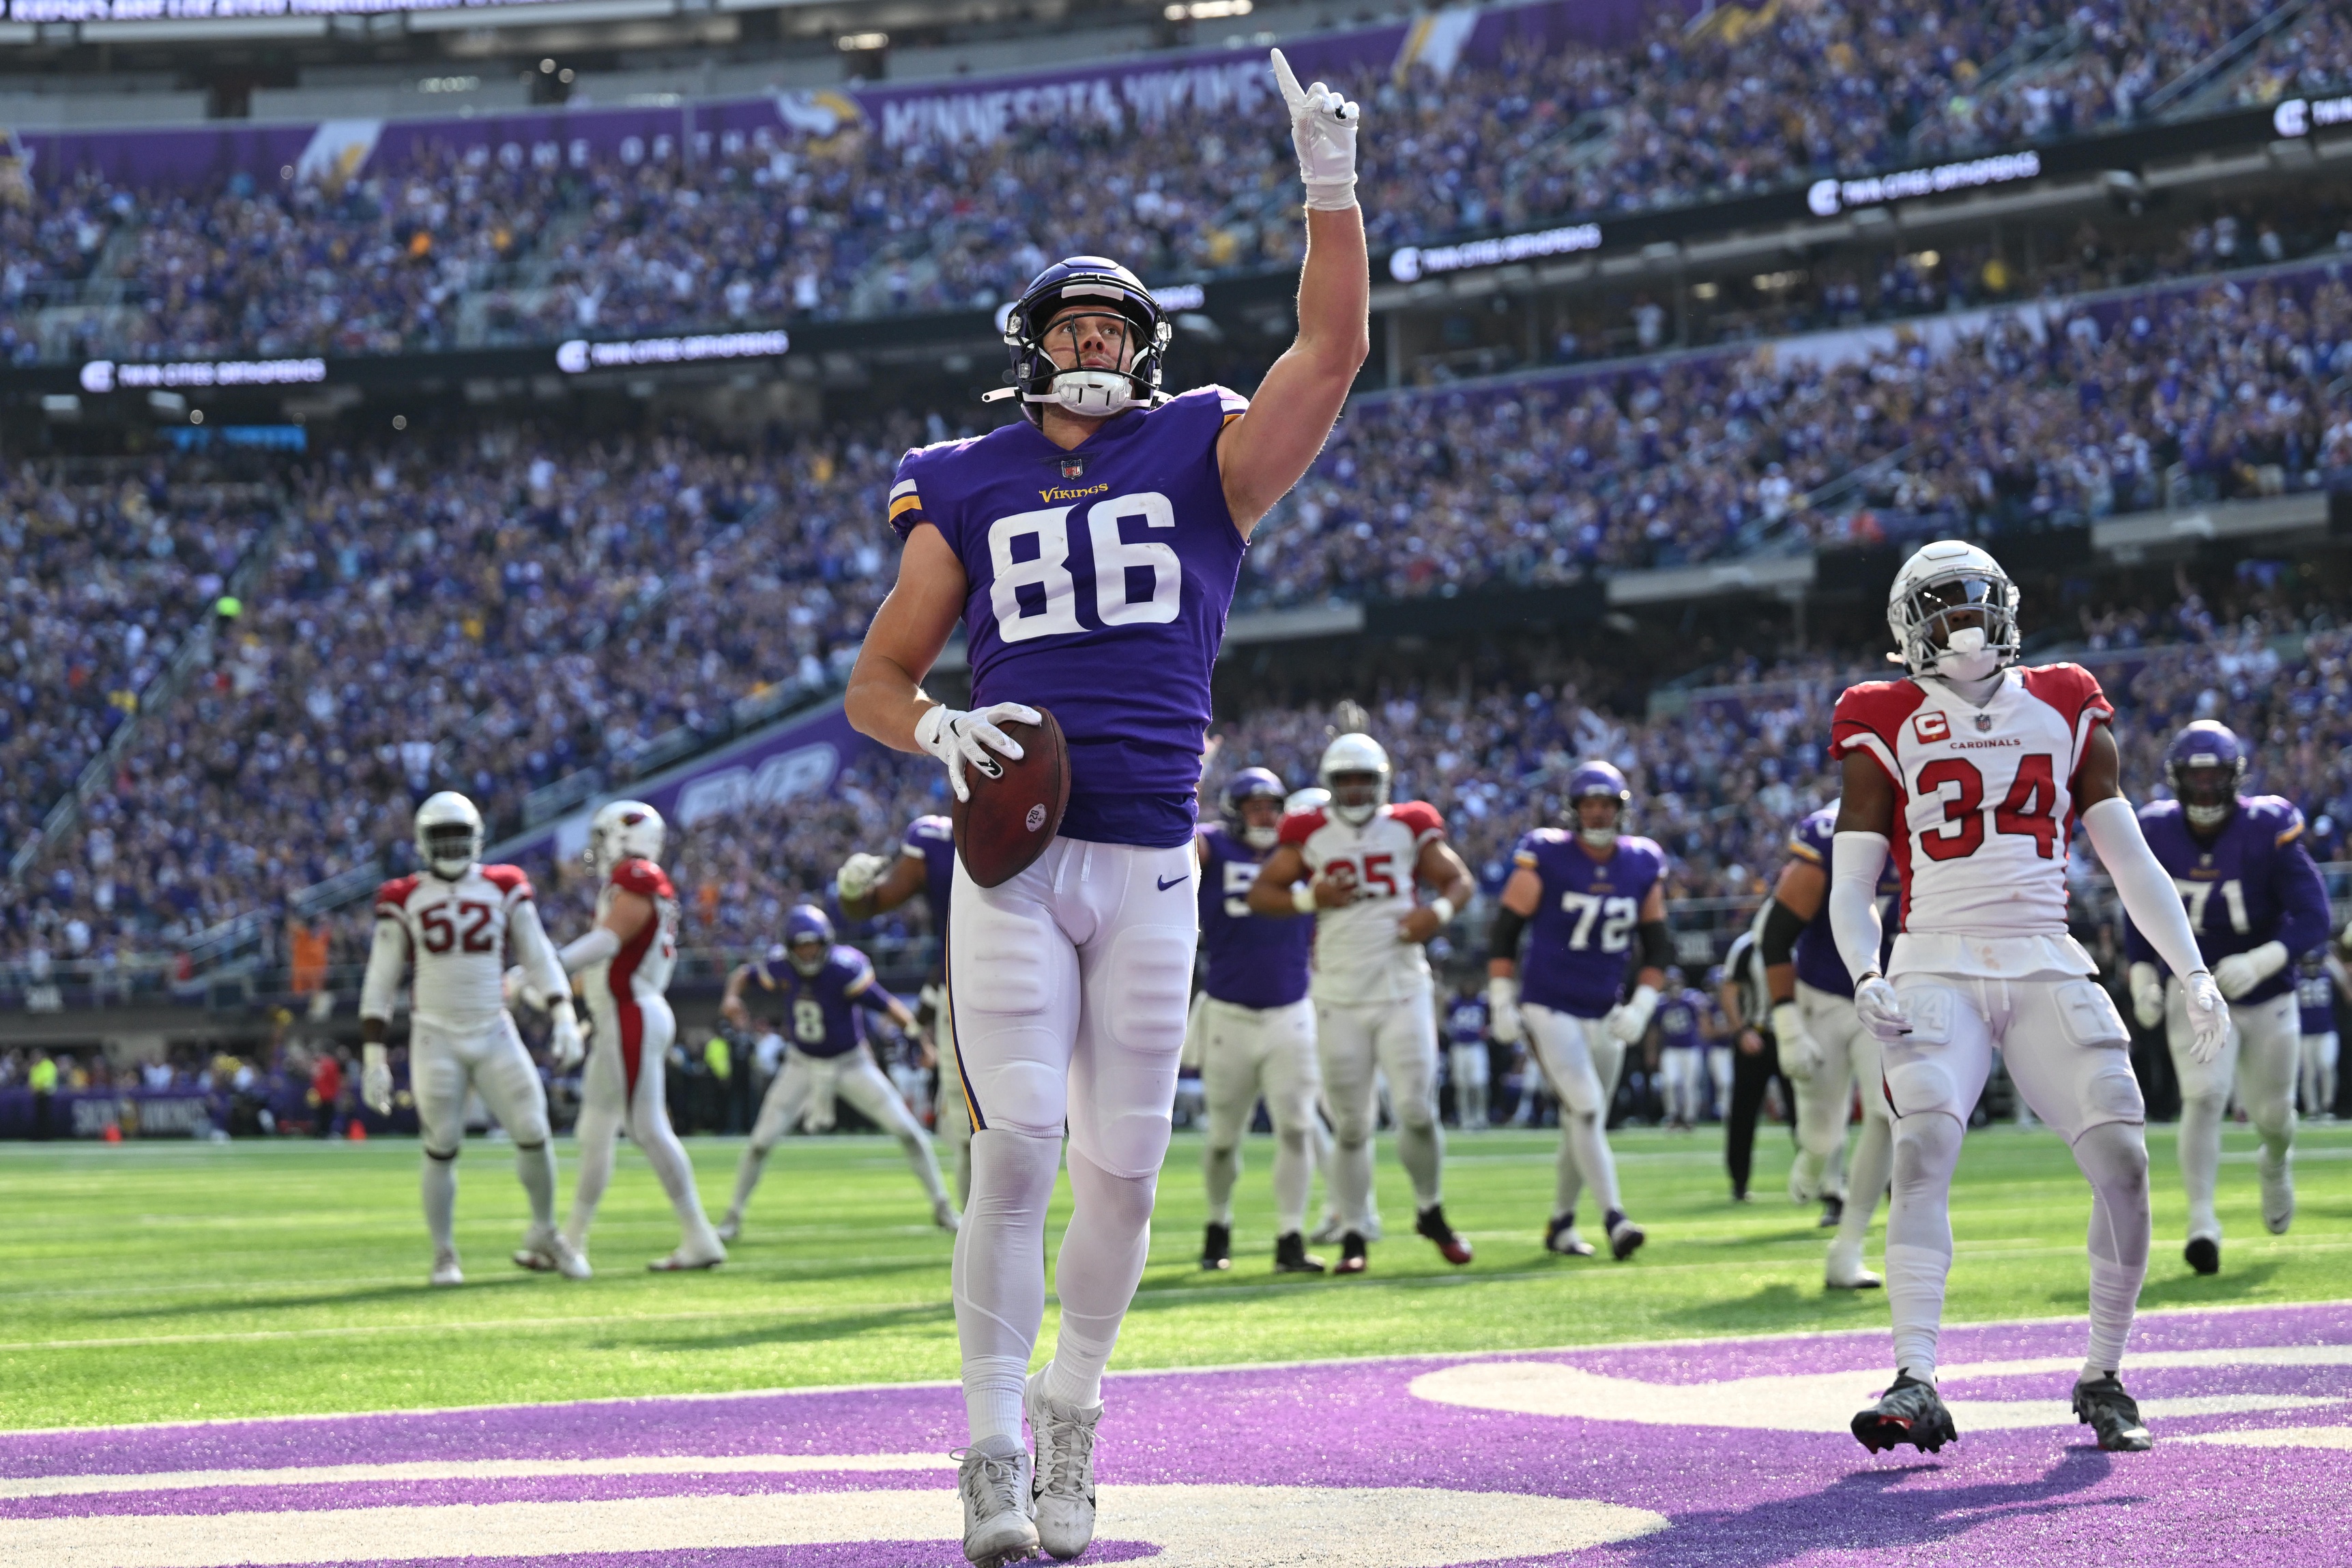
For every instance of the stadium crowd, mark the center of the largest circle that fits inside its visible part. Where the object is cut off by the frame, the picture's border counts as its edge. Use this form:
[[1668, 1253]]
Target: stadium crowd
[[463, 249]]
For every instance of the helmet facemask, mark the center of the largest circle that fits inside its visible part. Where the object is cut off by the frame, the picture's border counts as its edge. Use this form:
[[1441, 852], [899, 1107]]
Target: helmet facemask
[[450, 848], [808, 954], [2206, 788], [1261, 816], [1093, 351], [1963, 627], [1356, 797], [1595, 827]]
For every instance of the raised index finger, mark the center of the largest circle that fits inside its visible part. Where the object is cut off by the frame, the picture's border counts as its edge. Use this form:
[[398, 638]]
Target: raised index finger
[[1286, 78]]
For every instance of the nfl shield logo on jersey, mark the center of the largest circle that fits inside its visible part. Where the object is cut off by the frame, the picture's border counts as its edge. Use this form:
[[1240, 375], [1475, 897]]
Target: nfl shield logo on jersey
[[1933, 727], [1074, 467]]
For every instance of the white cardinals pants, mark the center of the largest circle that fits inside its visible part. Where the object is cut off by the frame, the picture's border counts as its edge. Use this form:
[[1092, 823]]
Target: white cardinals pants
[[1070, 985], [1581, 1062], [622, 1090], [444, 1066], [856, 1078], [1247, 1052], [2260, 1060], [1681, 1070], [1359, 1044], [2066, 1050]]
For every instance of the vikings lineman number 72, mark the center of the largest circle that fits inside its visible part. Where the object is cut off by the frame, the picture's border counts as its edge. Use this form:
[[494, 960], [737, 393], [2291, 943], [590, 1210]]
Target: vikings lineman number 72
[[1616, 916]]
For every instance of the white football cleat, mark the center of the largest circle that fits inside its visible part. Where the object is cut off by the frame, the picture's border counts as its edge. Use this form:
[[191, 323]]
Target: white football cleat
[[993, 1477], [689, 1256], [445, 1270], [2278, 1191], [943, 1215], [546, 1252], [730, 1229], [1065, 1484], [1846, 1272]]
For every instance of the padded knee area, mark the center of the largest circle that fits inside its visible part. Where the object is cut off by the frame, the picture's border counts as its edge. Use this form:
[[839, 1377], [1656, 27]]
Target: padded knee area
[[2113, 1095], [1927, 1148], [530, 1148], [437, 1154], [1023, 1094]]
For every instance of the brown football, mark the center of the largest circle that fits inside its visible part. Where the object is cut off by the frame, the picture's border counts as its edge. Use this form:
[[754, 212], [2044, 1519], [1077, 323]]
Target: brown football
[[1013, 814]]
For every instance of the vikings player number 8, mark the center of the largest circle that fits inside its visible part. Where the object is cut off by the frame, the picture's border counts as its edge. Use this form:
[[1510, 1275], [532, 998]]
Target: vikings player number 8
[[1031, 588], [1616, 917], [808, 1022]]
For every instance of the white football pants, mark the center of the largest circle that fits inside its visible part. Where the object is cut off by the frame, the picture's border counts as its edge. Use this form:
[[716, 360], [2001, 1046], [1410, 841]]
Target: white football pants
[[1581, 1061], [622, 1091], [1681, 1070], [445, 1067], [2264, 1048], [2066, 1050], [856, 1078], [1359, 1043], [2319, 1054], [1471, 1067], [1070, 985], [1245, 1053], [953, 1122], [1850, 1062]]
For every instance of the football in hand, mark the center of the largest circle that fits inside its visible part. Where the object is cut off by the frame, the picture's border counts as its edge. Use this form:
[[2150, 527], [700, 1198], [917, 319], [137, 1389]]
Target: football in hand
[[1014, 812]]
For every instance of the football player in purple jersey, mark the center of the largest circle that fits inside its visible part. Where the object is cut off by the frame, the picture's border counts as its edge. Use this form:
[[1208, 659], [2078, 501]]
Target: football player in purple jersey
[[824, 992], [1825, 1051], [1257, 1027], [1584, 896], [868, 885], [2256, 903], [1090, 551], [2317, 977]]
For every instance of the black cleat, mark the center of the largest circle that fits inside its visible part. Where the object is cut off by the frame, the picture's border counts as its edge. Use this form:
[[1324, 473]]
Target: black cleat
[[2204, 1254], [1352, 1255], [2104, 1406], [1217, 1248], [1833, 1214], [1561, 1237], [1431, 1223], [1625, 1238], [1910, 1412], [1291, 1256]]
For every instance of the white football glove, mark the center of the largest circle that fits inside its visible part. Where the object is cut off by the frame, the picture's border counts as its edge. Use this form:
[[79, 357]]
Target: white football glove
[[1801, 1054], [1628, 1021], [1881, 1010], [2209, 1017], [857, 876], [2241, 972], [376, 1080], [564, 1046], [1503, 1010], [1323, 128], [960, 739], [517, 988], [2148, 995]]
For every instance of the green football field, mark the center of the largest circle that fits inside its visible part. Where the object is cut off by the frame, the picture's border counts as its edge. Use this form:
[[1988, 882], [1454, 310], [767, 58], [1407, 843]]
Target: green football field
[[145, 1283]]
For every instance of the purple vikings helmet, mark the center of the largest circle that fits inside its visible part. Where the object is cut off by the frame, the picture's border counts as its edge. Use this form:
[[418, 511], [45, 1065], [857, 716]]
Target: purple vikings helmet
[[1597, 781], [2205, 764], [1085, 280], [808, 937], [1250, 783]]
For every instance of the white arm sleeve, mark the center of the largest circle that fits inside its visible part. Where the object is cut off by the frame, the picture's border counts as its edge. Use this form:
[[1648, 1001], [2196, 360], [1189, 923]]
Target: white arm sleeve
[[2144, 885], [594, 948], [1855, 861], [537, 954], [387, 959]]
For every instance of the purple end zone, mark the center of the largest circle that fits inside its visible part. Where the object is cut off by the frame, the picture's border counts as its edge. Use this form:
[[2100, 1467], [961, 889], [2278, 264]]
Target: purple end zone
[[1732, 1494]]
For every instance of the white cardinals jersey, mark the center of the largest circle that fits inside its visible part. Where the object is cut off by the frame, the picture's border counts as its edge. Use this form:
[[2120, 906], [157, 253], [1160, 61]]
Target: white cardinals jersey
[[1984, 807], [457, 935], [640, 970], [1358, 954]]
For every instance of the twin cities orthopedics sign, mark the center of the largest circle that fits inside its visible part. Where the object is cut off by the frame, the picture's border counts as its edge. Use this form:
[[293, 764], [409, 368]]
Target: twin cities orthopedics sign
[[2302, 116], [1412, 263], [100, 376], [1827, 198], [580, 356]]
